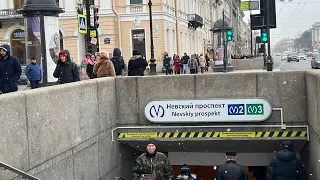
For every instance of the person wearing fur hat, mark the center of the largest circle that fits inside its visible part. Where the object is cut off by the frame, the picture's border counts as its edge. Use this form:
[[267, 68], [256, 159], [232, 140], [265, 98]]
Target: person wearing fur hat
[[137, 64], [152, 165], [66, 70], [185, 174], [104, 67], [10, 70]]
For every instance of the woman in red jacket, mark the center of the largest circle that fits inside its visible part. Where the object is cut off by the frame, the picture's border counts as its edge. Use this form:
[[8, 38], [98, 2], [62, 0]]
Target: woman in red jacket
[[176, 64]]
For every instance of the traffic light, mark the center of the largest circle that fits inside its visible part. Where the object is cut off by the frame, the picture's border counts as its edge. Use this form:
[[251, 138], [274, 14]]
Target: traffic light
[[229, 35], [96, 18], [264, 37]]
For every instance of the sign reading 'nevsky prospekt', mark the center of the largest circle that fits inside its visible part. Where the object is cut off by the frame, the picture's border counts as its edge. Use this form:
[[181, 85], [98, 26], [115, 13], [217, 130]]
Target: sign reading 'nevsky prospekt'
[[211, 110]]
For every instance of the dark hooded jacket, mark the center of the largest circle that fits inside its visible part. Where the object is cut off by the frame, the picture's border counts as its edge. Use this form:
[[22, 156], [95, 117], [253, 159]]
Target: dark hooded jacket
[[10, 72], [137, 65], [118, 61], [66, 72], [285, 166]]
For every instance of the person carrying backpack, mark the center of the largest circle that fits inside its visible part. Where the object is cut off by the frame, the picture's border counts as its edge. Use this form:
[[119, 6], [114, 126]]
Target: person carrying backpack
[[285, 165], [118, 62], [193, 64]]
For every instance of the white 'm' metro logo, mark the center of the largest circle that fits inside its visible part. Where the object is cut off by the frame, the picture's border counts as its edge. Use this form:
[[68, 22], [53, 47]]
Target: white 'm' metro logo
[[235, 109], [156, 112]]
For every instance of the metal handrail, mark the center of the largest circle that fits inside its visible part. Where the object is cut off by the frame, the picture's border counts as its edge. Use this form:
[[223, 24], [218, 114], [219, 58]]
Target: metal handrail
[[17, 171]]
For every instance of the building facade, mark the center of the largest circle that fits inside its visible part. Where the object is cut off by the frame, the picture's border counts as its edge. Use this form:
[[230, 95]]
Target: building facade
[[179, 26]]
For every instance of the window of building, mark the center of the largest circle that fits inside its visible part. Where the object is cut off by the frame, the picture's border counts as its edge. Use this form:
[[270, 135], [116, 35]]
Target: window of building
[[135, 1], [174, 42], [17, 4], [91, 2], [57, 3], [17, 41]]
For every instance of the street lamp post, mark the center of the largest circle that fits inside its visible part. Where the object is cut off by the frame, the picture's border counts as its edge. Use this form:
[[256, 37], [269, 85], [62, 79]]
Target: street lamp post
[[89, 46], [225, 48], [153, 65], [269, 62]]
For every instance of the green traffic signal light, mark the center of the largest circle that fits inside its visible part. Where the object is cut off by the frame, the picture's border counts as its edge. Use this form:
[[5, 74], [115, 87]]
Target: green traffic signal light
[[229, 35], [264, 37]]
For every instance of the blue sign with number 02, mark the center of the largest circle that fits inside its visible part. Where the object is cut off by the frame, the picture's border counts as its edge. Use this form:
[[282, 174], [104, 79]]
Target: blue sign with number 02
[[236, 109]]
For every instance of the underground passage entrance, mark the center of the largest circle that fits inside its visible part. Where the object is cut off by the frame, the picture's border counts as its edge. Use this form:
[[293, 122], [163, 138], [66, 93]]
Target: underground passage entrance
[[204, 151]]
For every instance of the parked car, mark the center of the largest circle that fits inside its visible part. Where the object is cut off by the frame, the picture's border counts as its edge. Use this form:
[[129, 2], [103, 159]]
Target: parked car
[[315, 62], [302, 56], [292, 57]]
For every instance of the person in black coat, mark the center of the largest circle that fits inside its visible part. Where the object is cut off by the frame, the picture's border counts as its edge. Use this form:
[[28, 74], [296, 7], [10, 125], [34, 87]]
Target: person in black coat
[[10, 71], [285, 165], [231, 170], [137, 65], [66, 70]]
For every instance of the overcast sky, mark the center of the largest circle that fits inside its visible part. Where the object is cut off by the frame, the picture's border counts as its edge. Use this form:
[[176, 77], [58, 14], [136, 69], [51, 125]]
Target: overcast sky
[[293, 18]]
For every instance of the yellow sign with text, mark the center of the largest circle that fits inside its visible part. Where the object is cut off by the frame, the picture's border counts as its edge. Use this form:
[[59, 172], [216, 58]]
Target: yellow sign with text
[[244, 6], [237, 134], [141, 135]]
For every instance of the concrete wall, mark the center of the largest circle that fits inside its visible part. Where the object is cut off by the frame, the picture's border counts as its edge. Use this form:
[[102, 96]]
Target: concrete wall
[[282, 89], [61, 132], [247, 64], [313, 113]]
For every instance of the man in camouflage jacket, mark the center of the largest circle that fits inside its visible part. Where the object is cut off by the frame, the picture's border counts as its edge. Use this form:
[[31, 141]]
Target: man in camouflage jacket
[[152, 165]]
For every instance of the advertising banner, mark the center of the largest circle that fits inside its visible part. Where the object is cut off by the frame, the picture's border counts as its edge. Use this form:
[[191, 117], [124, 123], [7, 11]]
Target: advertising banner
[[53, 45], [33, 39]]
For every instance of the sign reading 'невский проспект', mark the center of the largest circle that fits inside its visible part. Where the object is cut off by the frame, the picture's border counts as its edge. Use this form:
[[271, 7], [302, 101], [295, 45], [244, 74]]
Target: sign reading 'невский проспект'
[[210, 110]]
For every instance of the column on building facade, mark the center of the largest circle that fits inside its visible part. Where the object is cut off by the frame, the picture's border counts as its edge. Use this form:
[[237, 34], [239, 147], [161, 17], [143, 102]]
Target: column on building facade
[[4, 4], [105, 4]]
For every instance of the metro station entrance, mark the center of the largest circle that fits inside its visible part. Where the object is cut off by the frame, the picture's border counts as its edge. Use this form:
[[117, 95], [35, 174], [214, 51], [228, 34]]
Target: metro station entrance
[[203, 149]]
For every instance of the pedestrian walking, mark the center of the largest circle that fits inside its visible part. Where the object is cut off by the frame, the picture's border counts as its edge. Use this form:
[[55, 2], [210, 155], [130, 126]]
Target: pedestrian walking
[[202, 63], [137, 65], [91, 63], [166, 63], [185, 60], [118, 62], [177, 65], [66, 70], [10, 71], [285, 165], [104, 67], [152, 165], [185, 174], [83, 69], [33, 73], [231, 170], [193, 65]]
